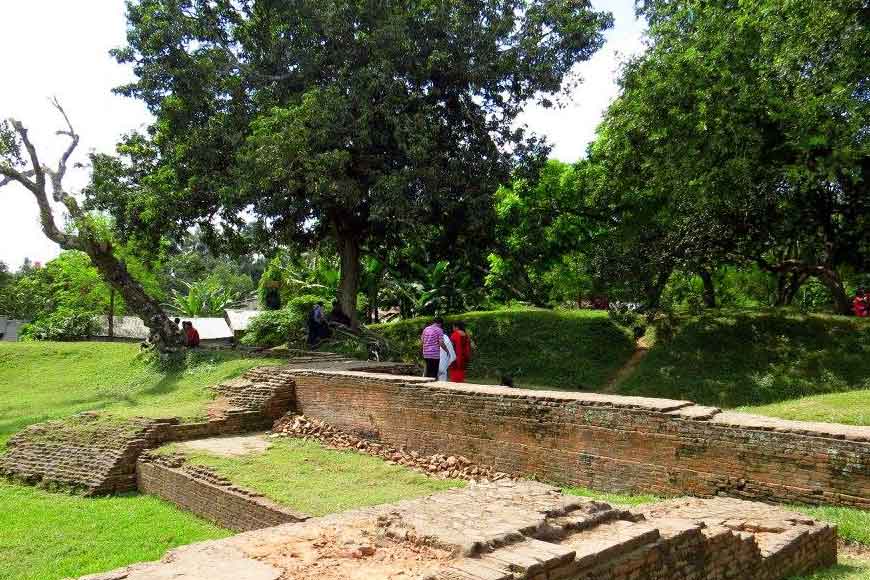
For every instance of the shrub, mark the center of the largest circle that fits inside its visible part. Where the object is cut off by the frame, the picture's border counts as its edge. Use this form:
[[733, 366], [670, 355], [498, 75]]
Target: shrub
[[62, 324], [275, 327]]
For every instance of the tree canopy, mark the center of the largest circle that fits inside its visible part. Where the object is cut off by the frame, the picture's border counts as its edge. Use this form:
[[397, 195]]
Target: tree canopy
[[741, 136], [362, 122]]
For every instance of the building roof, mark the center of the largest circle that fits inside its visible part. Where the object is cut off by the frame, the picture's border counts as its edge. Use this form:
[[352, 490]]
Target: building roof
[[133, 327], [9, 329], [239, 320]]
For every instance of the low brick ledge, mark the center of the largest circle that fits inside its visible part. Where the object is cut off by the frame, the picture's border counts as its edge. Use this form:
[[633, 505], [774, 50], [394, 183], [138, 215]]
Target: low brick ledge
[[683, 409], [208, 495]]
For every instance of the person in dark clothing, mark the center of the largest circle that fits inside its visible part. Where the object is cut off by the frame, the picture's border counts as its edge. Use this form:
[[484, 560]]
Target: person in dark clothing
[[318, 329], [273, 298]]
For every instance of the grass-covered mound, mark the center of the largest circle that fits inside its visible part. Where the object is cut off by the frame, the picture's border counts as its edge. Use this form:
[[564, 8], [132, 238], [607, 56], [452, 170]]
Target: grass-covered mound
[[746, 358], [578, 349], [307, 477], [48, 380], [47, 536]]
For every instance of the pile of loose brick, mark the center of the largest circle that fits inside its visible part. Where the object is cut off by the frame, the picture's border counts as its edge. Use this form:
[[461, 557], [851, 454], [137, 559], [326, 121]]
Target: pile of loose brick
[[437, 465]]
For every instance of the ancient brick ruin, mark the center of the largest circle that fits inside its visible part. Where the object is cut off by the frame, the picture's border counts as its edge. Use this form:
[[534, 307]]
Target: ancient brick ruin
[[514, 531], [199, 490], [504, 530], [604, 442], [97, 454]]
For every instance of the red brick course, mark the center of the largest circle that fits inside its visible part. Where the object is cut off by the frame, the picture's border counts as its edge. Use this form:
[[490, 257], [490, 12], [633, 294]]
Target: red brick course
[[603, 442]]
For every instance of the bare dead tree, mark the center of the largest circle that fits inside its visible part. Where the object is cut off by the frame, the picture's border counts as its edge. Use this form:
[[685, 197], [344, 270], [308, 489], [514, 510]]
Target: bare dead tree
[[20, 163]]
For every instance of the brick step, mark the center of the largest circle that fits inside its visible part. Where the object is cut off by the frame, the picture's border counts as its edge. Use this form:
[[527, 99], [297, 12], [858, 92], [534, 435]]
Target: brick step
[[609, 541], [579, 552]]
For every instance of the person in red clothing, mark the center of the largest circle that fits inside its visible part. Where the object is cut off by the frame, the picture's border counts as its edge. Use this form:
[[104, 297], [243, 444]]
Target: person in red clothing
[[462, 346], [191, 335], [861, 304]]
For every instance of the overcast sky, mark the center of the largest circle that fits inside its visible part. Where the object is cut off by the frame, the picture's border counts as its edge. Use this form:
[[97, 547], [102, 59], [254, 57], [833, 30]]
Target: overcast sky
[[60, 48]]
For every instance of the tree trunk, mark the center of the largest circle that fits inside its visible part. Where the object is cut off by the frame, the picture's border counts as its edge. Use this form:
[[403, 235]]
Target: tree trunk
[[654, 293], [709, 288], [165, 334], [112, 313], [348, 288], [832, 280], [788, 284]]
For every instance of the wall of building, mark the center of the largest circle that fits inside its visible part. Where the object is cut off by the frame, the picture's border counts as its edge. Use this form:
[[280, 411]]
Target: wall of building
[[604, 442]]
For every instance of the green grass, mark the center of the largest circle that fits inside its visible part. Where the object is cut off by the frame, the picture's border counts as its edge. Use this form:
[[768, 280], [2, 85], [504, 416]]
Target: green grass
[[853, 525], [47, 536], [744, 358], [577, 349], [45, 380], [307, 477], [851, 407], [846, 569], [619, 499]]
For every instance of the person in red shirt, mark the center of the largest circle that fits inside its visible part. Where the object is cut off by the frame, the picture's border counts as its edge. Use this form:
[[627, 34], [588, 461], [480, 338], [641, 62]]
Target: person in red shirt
[[191, 335], [861, 304], [462, 346]]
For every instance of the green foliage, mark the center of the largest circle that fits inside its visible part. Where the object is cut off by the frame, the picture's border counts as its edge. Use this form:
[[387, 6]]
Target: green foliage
[[402, 123], [50, 535], [735, 358], [276, 327], [539, 348], [297, 274], [203, 298], [309, 478], [770, 99], [63, 323], [50, 380], [540, 232]]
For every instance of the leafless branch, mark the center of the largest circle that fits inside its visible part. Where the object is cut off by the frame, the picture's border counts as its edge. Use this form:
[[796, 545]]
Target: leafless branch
[[57, 176], [13, 175]]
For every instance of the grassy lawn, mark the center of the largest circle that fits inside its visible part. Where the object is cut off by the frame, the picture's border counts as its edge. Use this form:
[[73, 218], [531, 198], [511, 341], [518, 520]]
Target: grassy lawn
[[47, 536], [45, 380], [851, 407], [755, 359], [846, 569], [567, 349], [307, 477]]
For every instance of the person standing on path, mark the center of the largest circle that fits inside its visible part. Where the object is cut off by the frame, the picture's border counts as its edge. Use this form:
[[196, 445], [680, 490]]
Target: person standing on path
[[462, 347], [433, 342]]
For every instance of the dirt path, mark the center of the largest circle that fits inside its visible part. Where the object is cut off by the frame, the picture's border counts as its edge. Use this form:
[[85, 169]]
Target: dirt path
[[641, 349]]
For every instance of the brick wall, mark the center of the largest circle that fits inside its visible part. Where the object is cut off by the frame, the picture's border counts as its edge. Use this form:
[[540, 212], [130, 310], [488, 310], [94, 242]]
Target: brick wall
[[604, 442], [97, 453], [202, 492]]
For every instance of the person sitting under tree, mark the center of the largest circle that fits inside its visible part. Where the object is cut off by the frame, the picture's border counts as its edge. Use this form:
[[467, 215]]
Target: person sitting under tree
[[861, 304], [191, 334]]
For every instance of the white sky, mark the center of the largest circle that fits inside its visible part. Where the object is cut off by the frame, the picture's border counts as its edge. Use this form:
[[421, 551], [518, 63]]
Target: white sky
[[60, 48]]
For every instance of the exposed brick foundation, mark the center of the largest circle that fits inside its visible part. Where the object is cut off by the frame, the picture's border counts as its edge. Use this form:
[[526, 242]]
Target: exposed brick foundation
[[97, 454], [201, 491], [515, 531], [604, 442]]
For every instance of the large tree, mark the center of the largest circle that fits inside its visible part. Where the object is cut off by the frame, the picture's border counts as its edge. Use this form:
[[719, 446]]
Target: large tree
[[20, 163], [356, 121], [741, 136]]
